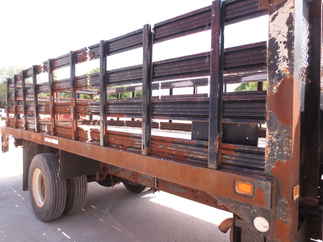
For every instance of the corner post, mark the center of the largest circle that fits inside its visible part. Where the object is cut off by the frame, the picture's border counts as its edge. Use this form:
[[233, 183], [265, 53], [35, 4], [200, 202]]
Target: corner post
[[311, 130], [147, 92], [216, 85], [288, 51]]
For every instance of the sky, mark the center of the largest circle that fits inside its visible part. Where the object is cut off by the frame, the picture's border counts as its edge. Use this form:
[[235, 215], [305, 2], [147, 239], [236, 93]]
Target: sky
[[35, 30]]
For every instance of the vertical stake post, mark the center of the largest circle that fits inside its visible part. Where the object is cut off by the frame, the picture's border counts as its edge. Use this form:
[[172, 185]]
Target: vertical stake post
[[8, 100], [73, 106], [23, 86], [35, 94], [103, 94], [147, 92], [51, 96], [15, 100], [216, 85]]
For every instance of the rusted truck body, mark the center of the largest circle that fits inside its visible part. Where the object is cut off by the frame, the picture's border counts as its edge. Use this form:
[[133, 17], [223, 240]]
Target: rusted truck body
[[254, 153]]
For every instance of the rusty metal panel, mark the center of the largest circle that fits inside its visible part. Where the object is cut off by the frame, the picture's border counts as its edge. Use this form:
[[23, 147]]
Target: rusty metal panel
[[237, 106], [188, 151], [244, 105], [246, 56], [128, 74], [64, 60], [62, 85], [242, 157], [239, 10], [189, 23], [200, 20], [181, 108], [175, 126], [188, 66], [125, 42], [185, 83], [119, 140], [131, 107], [43, 88], [64, 131], [119, 44], [82, 82]]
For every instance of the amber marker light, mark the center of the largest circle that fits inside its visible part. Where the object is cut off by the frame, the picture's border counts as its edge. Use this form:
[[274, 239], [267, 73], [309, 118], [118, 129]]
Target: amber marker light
[[244, 188]]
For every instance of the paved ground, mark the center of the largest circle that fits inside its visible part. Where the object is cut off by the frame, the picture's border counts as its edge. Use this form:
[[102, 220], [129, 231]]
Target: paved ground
[[111, 214]]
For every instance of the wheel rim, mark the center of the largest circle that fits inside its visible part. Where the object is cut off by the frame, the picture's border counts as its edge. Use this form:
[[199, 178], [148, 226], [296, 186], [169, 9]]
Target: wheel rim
[[38, 187]]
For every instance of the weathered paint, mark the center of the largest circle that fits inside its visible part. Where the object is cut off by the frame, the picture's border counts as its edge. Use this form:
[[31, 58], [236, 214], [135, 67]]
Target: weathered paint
[[287, 64]]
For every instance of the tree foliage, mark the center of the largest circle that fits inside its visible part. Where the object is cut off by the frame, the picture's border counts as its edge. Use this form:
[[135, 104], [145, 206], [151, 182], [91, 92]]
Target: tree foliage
[[6, 72], [250, 86], [3, 94]]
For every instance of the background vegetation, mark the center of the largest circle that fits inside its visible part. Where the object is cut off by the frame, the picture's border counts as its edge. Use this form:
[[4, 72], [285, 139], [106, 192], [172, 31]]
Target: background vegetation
[[6, 72]]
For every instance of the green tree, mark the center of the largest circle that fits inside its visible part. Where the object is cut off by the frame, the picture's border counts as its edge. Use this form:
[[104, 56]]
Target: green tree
[[250, 86], [6, 72], [3, 94], [247, 86]]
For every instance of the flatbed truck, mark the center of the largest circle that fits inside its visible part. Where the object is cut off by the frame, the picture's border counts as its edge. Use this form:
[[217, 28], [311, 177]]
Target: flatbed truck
[[256, 153]]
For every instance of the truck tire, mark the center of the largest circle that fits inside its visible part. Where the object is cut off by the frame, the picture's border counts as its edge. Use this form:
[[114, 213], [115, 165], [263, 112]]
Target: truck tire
[[76, 194], [133, 187], [47, 189]]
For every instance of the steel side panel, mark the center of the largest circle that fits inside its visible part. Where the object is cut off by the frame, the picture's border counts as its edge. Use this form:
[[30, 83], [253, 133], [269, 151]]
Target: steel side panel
[[218, 184]]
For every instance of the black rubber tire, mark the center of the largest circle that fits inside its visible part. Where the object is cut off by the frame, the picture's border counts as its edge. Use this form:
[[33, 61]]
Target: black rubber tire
[[54, 187], [133, 187], [76, 194]]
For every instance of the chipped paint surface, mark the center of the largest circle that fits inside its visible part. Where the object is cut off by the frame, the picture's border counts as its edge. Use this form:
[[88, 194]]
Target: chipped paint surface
[[280, 26], [288, 53]]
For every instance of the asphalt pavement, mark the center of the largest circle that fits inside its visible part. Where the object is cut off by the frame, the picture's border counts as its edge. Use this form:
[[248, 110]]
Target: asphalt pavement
[[110, 215]]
